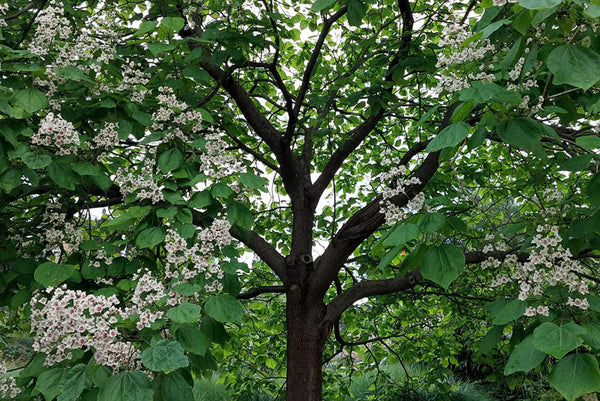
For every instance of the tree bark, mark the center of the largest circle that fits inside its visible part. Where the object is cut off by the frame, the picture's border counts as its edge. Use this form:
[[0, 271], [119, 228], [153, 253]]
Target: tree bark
[[306, 336]]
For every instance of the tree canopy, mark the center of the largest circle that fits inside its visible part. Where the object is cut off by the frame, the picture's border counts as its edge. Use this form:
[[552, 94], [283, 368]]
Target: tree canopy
[[291, 191]]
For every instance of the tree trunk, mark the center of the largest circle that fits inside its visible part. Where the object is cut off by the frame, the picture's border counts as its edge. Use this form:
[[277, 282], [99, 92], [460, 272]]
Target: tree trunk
[[306, 337]]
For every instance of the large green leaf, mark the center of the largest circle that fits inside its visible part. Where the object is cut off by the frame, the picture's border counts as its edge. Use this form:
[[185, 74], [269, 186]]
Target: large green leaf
[[127, 386], [34, 161], [481, 92], [442, 264], [539, 4], [450, 136], [224, 308], [402, 234], [356, 11], [524, 357], [73, 383], [185, 313], [576, 375], [592, 336], [48, 383], [319, 5], [574, 65], [173, 387], [555, 340], [164, 356], [150, 237], [173, 23], [170, 160], [192, 339], [524, 133], [51, 274], [509, 311], [30, 100]]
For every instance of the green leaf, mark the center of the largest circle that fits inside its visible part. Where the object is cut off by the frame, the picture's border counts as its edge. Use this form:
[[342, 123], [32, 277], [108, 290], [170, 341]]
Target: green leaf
[[322, 4], [192, 339], [50, 274], [173, 387], [73, 73], [576, 375], [589, 142], [539, 4], [150, 237], [593, 189], [173, 23], [200, 200], [592, 336], [73, 383], [482, 92], [442, 264], [239, 214], [62, 174], [221, 190], [145, 27], [574, 65], [555, 340], [356, 11], [509, 312], [524, 357], [170, 160], [224, 308], [30, 100], [185, 313], [198, 74], [164, 356], [157, 48], [35, 162], [253, 181], [48, 383], [432, 222], [523, 133], [127, 386], [85, 168], [143, 118], [402, 234], [449, 137], [491, 338], [577, 163], [593, 11]]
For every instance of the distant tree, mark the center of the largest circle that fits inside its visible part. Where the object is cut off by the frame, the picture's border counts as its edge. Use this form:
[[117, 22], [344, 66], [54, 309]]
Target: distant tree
[[357, 148]]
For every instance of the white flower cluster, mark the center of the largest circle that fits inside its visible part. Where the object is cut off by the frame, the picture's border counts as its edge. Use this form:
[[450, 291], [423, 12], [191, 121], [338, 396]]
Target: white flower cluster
[[143, 182], [71, 320], [8, 385], [453, 37], [54, 130], [134, 79], [217, 162], [503, 2], [50, 23], [171, 115], [549, 264], [60, 233], [147, 291], [3, 8], [185, 262], [396, 184], [107, 137]]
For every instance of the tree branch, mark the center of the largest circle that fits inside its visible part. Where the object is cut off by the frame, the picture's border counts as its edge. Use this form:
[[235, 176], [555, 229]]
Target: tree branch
[[304, 86], [364, 222], [268, 289], [256, 243], [367, 288]]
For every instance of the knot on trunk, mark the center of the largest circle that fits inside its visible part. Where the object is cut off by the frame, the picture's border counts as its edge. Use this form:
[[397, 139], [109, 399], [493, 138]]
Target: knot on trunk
[[306, 259]]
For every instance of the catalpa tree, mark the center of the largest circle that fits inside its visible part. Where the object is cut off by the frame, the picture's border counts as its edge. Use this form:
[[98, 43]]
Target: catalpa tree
[[356, 148]]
